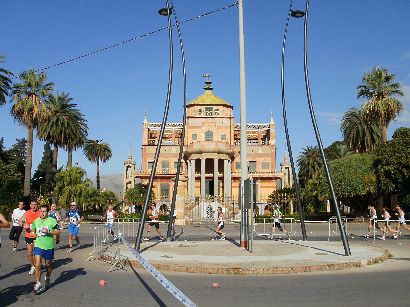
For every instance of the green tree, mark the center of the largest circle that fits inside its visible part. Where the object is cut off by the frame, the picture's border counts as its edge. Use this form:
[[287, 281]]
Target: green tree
[[309, 163], [11, 186], [136, 195], [95, 151], [5, 82], [380, 91], [360, 134], [28, 110], [393, 164], [336, 150], [108, 198], [43, 180], [64, 123], [71, 186], [282, 197]]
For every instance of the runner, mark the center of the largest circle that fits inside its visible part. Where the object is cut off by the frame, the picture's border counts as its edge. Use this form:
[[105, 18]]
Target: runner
[[57, 216], [3, 224], [44, 228], [372, 220], [386, 228], [221, 224], [29, 217], [17, 226], [154, 222], [110, 215], [401, 222], [75, 217], [277, 216]]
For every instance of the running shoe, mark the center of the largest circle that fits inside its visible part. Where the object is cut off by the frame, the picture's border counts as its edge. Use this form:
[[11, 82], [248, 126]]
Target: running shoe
[[145, 239], [38, 287], [31, 272], [47, 282], [161, 238], [14, 249], [69, 250]]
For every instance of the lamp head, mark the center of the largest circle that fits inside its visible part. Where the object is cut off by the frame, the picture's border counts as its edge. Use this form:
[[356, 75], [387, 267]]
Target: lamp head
[[165, 11], [297, 13]]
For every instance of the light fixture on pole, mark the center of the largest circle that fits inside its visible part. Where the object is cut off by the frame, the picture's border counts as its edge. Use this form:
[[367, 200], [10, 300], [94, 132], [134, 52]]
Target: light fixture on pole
[[296, 14]]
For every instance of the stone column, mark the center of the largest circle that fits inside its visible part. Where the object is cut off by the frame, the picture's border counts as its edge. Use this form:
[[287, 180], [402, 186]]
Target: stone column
[[193, 178], [229, 179], [216, 191], [189, 173], [226, 178], [203, 177]]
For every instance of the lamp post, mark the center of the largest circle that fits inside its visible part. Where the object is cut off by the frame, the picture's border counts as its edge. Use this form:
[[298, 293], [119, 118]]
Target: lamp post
[[295, 14], [319, 141], [162, 130]]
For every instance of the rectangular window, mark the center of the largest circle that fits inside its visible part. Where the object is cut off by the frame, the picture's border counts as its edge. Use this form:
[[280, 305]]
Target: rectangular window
[[238, 165], [150, 164], [165, 166], [209, 111], [176, 165], [164, 190], [265, 165], [194, 136], [252, 166], [223, 137], [200, 112], [216, 112]]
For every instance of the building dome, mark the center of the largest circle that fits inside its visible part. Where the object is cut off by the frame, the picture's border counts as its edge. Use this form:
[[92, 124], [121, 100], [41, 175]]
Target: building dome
[[208, 97]]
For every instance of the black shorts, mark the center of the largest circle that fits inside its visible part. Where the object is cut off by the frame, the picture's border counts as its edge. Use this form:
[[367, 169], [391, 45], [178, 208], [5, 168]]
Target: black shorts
[[156, 224], [29, 240], [15, 233], [276, 224]]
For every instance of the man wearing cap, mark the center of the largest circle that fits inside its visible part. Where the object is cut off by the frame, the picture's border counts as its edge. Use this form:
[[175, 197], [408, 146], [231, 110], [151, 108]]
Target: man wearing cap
[[74, 217]]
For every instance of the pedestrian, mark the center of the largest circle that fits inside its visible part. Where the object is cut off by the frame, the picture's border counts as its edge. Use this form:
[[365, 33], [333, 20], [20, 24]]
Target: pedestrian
[[44, 228], [386, 228], [110, 215], [57, 216], [401, 221], [220, 218], [74, 217], [277, 216], [17, 226], [372, 220], [29, 217], [154, 222], [3, 224]]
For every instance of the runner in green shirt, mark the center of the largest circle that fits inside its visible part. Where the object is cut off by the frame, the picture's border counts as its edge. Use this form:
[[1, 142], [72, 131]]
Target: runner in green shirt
[[44, 228]]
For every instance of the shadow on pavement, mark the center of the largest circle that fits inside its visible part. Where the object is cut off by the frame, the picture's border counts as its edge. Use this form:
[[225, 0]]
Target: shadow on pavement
[[18, 270], [68, 275], [10, 295], [312, 247], [148, 288]]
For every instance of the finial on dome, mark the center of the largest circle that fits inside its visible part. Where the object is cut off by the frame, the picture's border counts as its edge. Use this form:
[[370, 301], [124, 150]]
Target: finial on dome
[[208, 82]]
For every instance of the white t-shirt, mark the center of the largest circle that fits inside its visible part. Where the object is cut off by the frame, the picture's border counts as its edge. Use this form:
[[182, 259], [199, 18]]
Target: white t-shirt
[[17, 214]]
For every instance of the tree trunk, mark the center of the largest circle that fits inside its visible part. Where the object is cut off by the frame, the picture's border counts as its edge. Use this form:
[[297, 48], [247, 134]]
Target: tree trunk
[[98, 175], [54, 172], [384, 134], [27, 167], [70, 156]]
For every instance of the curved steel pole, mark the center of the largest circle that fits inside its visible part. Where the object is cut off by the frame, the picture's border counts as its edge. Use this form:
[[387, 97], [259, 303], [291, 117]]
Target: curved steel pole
[[181, 145], [161, 135], [285, 123], [319, 141]]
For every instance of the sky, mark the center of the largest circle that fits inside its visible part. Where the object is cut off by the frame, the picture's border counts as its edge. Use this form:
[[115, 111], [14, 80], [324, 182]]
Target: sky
[[113, 88]]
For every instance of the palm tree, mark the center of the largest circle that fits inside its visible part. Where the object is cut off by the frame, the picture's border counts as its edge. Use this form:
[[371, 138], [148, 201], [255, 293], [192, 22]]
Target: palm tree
[[5, 82], [63, 124], [381, 107], [309, 163], [95, 151], [360, 134], [28, 110]]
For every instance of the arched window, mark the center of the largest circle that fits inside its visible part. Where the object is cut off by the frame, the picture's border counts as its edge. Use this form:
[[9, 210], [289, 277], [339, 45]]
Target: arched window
[[209, 135]]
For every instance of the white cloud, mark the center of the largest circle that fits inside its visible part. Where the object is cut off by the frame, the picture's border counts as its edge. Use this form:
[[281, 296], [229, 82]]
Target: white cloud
[[404, 117], [331, 117]]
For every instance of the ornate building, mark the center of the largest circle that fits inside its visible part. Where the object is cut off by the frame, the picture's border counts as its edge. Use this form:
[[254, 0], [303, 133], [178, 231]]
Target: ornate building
[[211, 165]]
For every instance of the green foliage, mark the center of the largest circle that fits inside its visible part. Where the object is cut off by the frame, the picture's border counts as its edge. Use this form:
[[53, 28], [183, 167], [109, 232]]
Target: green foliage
[[95, 151], [336, 150], [137, 194], [5, 82], [354, 181], [71, 186], [42, 181], [309, 163], [11, 184], [283, 197], [392, 163]]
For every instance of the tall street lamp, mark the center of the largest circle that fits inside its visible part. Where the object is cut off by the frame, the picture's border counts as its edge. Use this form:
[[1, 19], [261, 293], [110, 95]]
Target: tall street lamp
[[319, 141], [295, 14], [162, 130]]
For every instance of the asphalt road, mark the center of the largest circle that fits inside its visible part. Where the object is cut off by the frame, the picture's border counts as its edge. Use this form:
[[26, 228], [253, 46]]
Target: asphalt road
[[76, 282]]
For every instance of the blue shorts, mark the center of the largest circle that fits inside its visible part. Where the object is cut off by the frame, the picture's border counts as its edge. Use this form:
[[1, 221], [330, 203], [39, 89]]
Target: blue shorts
[[73, 230], [47, 254], [109, 226]]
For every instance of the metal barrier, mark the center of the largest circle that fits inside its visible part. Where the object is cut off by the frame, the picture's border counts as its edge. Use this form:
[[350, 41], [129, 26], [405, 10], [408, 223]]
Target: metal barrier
[[398, 234], [269, 221], [181, 297]]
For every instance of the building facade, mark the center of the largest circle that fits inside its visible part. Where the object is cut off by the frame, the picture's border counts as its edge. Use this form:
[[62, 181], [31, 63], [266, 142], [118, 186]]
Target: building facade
[[211, 158]]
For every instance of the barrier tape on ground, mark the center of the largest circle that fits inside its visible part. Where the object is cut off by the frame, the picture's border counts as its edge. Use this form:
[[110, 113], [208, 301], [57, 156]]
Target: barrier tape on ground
[[159, 277]]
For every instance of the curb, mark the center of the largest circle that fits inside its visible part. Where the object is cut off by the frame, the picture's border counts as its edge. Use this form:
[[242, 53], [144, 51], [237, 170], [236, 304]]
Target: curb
[[258, 271]]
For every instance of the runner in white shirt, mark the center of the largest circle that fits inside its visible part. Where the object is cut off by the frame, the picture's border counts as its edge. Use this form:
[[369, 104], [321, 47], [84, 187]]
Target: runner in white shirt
[[17, 226], [372, 220], [110, 215], [387, 227], [402, 221], [154, 222]]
